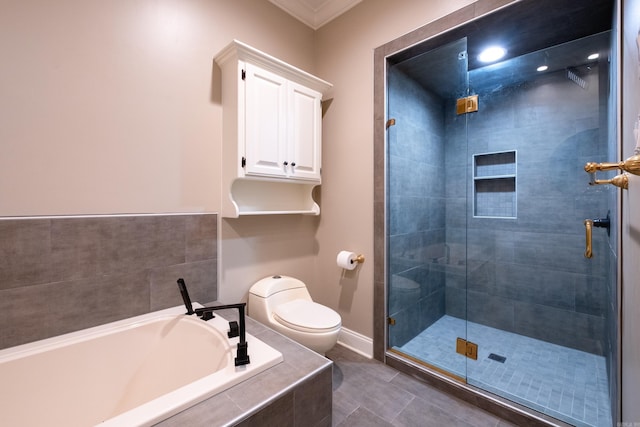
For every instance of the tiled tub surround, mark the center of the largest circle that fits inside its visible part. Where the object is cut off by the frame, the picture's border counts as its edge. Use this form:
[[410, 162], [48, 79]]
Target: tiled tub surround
[[142, 370], [62, 274], [297, 392]]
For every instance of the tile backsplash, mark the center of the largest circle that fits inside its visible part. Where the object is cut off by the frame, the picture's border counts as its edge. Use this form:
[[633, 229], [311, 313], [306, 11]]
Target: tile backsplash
[[63, 274]]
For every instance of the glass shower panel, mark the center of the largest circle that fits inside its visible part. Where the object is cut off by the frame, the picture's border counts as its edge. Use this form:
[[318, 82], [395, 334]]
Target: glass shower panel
[[536, 304], [426, 205]]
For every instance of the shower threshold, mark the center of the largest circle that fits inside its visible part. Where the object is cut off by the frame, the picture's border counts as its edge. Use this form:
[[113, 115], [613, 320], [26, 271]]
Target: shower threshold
[[564, 383]]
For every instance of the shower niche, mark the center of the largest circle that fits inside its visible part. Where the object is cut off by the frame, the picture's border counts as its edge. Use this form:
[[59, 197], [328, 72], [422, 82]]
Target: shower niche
[[494, 185]]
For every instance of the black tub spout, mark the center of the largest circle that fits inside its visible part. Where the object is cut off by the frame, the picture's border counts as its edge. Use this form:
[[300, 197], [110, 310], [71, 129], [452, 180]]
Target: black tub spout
[[235, 328]]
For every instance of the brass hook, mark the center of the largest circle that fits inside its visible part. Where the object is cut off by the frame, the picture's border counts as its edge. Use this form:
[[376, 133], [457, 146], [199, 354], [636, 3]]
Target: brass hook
[[631, 165], [621, 181]]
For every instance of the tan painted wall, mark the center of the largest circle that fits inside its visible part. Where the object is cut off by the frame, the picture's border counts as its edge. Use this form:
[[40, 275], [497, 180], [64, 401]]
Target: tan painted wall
[[344, 56], [114, 106]]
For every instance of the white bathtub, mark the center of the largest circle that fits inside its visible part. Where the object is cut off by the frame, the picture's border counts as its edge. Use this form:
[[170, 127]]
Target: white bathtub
[[133, 372]]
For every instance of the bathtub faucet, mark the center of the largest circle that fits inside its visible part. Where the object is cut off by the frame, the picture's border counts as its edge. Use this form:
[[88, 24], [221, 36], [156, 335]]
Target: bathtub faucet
[[206, 313], [235, 329]]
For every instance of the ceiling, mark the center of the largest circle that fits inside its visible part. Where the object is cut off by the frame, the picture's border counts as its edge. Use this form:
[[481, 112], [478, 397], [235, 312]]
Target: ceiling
[[315, 13], [529, 43]]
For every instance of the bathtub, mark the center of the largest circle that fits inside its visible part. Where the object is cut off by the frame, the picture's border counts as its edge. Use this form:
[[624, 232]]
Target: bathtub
[[134, 372]]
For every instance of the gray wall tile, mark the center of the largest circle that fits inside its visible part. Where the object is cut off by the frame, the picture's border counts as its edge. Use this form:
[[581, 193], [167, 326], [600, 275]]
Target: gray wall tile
[[67, 274], [25, 250]]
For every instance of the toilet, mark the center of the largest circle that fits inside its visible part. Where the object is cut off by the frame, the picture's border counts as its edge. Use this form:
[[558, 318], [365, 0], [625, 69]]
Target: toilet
[[283, 303]]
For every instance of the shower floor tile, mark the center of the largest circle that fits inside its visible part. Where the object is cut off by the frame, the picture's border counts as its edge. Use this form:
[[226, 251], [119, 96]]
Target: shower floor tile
[[567, 384]]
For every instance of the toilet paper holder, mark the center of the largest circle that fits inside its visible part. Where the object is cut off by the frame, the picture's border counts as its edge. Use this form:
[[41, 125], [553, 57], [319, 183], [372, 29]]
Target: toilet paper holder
[[349, 260]]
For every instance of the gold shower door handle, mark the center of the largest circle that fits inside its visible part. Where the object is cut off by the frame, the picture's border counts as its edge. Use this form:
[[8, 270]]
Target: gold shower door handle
[[588, 226]]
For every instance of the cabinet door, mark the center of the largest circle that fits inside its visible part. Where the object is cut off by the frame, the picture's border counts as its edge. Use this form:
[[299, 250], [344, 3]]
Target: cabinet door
[[265, 122], [305, 132]]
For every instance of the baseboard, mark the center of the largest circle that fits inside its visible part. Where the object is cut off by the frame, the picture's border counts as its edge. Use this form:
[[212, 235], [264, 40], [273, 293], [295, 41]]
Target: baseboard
[[356, 342]]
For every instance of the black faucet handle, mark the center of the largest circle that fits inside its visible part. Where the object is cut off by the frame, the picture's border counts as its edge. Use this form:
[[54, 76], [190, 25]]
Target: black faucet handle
[[242, 356], [234, 330]]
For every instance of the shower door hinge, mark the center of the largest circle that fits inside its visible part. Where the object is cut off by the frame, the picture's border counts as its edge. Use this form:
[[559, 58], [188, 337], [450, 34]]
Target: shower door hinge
[[390, 122], [391, 321], [467, 348], [466, 105]]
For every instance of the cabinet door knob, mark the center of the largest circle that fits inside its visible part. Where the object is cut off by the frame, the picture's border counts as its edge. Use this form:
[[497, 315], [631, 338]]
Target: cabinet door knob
[[293, 164], [286, 163]]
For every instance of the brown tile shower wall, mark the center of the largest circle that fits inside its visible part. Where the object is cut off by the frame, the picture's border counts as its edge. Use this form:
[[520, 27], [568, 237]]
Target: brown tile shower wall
[[63, 274]]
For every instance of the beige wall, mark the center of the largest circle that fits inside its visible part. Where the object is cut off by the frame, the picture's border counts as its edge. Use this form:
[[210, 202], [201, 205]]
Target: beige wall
[[114, 107], [344, 56]]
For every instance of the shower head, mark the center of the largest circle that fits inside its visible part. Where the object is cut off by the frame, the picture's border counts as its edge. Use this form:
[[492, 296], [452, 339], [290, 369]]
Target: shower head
[[571, 75]]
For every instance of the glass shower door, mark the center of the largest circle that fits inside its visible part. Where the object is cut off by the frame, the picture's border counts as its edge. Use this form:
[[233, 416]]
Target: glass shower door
[[486, 197], [426, 208], [537, 306]]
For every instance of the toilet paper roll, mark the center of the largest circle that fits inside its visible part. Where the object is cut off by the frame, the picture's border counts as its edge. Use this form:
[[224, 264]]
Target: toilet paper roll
[[347, 260]]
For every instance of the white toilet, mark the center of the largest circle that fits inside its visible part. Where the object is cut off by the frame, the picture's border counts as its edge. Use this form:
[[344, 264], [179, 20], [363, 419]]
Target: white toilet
[[284, 304]]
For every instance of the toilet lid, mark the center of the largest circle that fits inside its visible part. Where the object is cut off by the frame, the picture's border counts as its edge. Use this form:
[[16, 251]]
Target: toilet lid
[[307, 316]]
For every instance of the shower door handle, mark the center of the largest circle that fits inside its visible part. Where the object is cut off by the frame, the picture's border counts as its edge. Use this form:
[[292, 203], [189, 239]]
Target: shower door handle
[[588, 226]]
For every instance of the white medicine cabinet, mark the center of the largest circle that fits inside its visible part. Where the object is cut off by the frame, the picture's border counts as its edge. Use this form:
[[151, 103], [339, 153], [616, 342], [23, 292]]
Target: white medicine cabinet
[[272, 134]]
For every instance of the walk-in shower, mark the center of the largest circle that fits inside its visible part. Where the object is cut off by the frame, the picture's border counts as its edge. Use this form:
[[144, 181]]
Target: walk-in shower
[[485, 200]]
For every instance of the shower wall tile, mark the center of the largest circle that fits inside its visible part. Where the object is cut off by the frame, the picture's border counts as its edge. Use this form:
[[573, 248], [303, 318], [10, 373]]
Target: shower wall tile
[[456, 302], [489, 310], [563, 327], [66, 274], [432, 308], [592, 294]]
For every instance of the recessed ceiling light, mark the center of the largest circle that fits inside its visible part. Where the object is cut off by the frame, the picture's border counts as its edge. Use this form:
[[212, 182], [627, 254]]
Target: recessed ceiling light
[[492, 54], [593, 56], [542, 68]]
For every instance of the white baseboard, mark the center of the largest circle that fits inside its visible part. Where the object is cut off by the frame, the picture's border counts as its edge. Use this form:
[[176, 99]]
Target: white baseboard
[[356, 342]]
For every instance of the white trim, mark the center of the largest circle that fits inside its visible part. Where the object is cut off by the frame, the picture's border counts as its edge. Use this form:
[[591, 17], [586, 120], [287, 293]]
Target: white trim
[[315, 13], [356, 342]]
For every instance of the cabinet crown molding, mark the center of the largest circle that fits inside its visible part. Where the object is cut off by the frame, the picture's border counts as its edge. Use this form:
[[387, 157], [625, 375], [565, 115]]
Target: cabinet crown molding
[[239, 51]]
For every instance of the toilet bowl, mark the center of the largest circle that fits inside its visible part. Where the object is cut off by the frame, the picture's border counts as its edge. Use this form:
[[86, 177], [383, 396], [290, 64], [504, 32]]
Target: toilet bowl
[[283, 303]]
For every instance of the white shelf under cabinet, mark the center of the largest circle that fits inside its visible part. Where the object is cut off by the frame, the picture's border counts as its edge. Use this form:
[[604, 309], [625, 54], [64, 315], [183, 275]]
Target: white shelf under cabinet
[[272, 134]]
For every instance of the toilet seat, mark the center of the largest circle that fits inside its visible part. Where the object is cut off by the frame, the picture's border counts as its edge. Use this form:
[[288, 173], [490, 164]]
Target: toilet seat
[[307, 316]]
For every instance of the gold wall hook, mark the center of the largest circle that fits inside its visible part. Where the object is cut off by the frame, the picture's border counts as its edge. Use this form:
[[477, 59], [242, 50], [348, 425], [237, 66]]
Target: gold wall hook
[[631, 165], [621, 181]]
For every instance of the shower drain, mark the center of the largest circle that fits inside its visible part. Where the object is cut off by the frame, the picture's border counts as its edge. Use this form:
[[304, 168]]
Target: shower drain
[[497, 358]]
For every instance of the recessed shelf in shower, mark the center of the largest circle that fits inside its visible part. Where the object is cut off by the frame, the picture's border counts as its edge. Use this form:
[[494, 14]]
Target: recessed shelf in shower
[[494, 185]]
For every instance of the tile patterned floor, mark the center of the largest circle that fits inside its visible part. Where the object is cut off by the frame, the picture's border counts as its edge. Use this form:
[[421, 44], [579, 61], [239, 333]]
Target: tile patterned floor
[[567, 384], [369, 393]]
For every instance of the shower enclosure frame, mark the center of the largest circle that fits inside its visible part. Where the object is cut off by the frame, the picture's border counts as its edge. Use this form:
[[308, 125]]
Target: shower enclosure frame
[[514, 412]]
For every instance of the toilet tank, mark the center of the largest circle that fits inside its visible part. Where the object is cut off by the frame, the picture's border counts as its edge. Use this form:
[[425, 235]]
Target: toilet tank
[[268, 293]]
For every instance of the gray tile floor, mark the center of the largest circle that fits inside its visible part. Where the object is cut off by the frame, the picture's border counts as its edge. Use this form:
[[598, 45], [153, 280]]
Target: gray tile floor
[[368, 393], [564, 383]]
